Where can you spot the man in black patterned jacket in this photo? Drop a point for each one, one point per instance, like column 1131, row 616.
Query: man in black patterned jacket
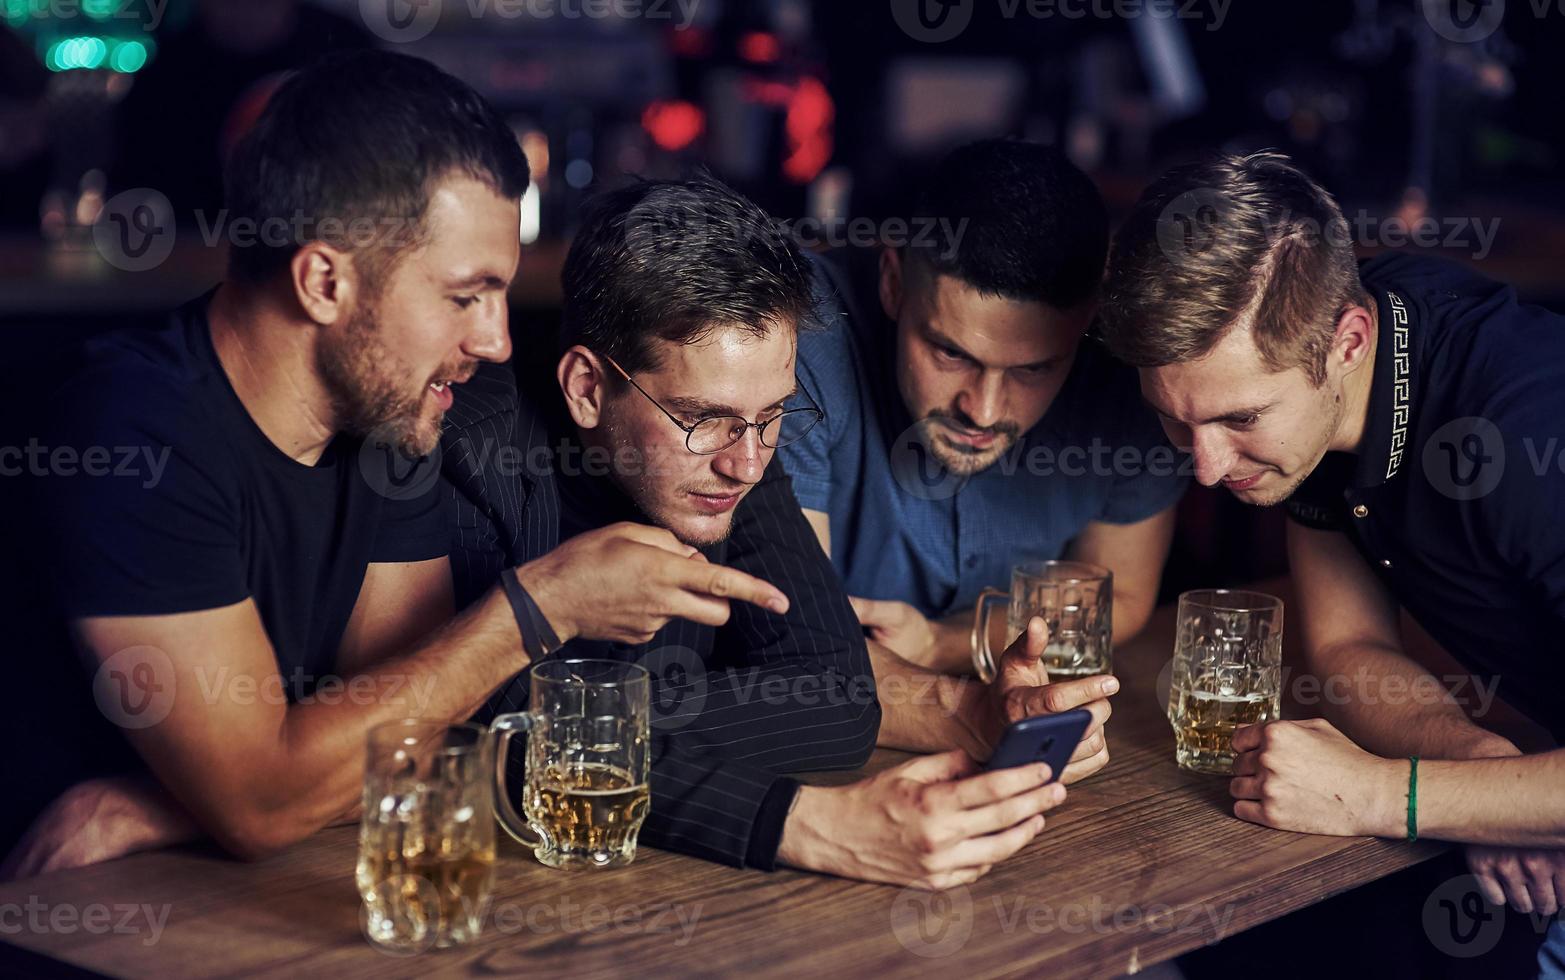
column 682, row 307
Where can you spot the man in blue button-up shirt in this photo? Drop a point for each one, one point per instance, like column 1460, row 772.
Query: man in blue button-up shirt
column 970, row 423
column 1411, row 413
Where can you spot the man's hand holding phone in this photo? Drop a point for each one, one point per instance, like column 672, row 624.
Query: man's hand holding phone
column 1022, row 689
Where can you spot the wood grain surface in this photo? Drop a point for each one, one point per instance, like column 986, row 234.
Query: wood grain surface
column 1141, row 863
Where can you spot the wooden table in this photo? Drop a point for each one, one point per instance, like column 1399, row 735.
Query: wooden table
column 1143, row 862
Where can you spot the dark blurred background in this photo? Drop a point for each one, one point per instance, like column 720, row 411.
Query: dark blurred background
column 115, row 116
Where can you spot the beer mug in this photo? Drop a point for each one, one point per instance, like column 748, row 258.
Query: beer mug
column 426, row 835
column 1227, row 672
column 585, row 791
column 1075, row 599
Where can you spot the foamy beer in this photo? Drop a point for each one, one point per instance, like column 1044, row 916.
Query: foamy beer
column 584, row 784
column 426, row 837
column 1227, row 672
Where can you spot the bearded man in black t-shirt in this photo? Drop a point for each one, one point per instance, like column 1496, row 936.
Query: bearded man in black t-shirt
column 241, row 567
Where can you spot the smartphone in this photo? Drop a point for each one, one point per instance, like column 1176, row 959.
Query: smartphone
column 1041, row 738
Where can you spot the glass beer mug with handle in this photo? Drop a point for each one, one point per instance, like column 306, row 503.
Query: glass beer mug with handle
column 585, row 785
column 1227, row 672
column 1074, row 598
column 426, row 834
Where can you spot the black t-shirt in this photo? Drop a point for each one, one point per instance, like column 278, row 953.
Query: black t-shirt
column 153, row 492
column 1455, row 497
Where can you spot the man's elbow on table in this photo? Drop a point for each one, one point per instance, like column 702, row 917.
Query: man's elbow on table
column 250, row 826
column 110, row 817
column 254, row 837
column 866, row 729
column 863, row 707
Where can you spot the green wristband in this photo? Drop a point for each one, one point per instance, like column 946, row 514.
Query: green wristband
column 1412, row 800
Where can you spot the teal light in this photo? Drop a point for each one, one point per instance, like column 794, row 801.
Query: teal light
column 121, row 55
column 72, row 53
column 94, row 51
column 128, row 56
column 76, row 52
column 58, row 57
column 100, row 9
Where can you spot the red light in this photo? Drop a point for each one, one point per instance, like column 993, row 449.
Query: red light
column 760, row 47
column 673, row 125
column 767, row 93
column 811, row 113
column 692, row 42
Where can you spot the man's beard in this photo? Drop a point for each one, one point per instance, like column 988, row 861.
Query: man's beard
column 933, row 431
column 368, row 386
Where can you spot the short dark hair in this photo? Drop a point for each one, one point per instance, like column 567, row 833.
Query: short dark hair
column 347, row 151
column 672, row 260
column 1035, row 226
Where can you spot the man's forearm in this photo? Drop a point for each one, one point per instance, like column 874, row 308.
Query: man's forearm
column 317, row 773
column 1391, row 706
column 1132, row 612
column 919, row 707
column 953, row 647
column 1518, row 801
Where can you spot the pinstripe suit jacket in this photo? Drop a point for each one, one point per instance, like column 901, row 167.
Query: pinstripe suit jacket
column 733, row 706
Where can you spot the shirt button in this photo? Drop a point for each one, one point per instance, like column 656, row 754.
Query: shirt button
column 972, row 561
column 1361, row 511
column 1385, row 563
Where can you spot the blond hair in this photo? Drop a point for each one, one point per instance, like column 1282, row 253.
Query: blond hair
column 1232, row 241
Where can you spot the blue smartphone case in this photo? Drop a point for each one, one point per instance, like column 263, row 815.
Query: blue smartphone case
column 1041, row 738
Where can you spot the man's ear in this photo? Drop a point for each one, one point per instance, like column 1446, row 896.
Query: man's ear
column 582, row 382
column 1355, row 338
column 891, row 282
column 324, row 282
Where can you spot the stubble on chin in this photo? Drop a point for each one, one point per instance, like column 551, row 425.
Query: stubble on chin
column 367, row 400
column 639, row 482
column 952, row 457
column 1269, row 497
column 683, row 530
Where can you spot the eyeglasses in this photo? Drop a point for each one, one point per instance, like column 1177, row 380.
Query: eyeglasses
column 717, row 432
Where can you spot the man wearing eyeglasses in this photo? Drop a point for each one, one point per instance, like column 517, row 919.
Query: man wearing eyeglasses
column 647, row 445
